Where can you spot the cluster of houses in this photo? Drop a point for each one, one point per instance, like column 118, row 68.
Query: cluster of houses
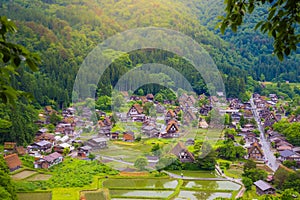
column 285, row 150
column 269, row 114
column 48, row 149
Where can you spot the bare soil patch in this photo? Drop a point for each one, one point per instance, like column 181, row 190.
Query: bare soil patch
column 23, row 174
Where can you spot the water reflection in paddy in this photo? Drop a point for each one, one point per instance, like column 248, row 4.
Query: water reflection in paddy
column 212, row 185
column 201, row 195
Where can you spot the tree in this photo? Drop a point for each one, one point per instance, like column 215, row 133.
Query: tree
column 242, row 121
column 247, row 183
column 280, row 177
column 249, row 164
column 66, row 151
column 54, row 118
column 141, row 163
column 208, row 162
column 242, row 142
column 147, row 106
column 91, row 156
column 103, row 103
column 140, row 92
column 290, row 194
column 12, row 56
column 156, row 150
column 227, row 119
column 18, row 118
column 268, row 197
column 290, row 163
column 22, row 127
column 7, row 188
column 262, row 77
column 281, row 23
column 168, row 161
column 118, row 101
column 159, row 97
column 255, row 174
column 138, row 138
column 229, row 151
column 292, row 181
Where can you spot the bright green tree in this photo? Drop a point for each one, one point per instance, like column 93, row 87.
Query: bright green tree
column 247, row 183
column 141, row 163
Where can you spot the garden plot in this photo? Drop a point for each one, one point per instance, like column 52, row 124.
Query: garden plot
column 39, row 177
column 23, row 174
column 35, row 196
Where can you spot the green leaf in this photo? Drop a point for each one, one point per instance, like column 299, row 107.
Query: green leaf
column 251, row 8
column 271, row 13
column 17, row 61
column 32, row 65
column 280, row 55
column 5, row 124
column 258, row 25
column 274, row 33
column 287, row 51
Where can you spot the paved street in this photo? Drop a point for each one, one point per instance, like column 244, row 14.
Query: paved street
column 266, row 146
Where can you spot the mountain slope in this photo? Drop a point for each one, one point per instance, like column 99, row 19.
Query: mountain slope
column 64, row 32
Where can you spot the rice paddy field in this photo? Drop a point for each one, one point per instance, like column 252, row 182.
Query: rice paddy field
column 212, row 185
column 35, row 196
column 202, row 195
column 94, row 195
column 134, row 188
column 141, row 183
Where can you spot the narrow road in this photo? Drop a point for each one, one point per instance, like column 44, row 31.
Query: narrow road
column 114, row 159
column 193, row 178
column 266, row 146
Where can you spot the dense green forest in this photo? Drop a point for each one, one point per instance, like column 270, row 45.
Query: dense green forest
column 64, row 32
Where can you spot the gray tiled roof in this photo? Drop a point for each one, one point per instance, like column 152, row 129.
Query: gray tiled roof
column 42, row 143
column 262, row 185
column 52, row 157
column 286, row 153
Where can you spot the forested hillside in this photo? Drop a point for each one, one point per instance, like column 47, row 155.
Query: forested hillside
column 250, row 44
column 64, row 32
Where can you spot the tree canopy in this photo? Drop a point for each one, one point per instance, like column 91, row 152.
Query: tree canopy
column 12, row 55
column 281, row 21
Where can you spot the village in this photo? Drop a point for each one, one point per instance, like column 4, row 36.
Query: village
column 179, row 124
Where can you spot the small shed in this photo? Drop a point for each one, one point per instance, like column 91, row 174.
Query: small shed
column 263, row 187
